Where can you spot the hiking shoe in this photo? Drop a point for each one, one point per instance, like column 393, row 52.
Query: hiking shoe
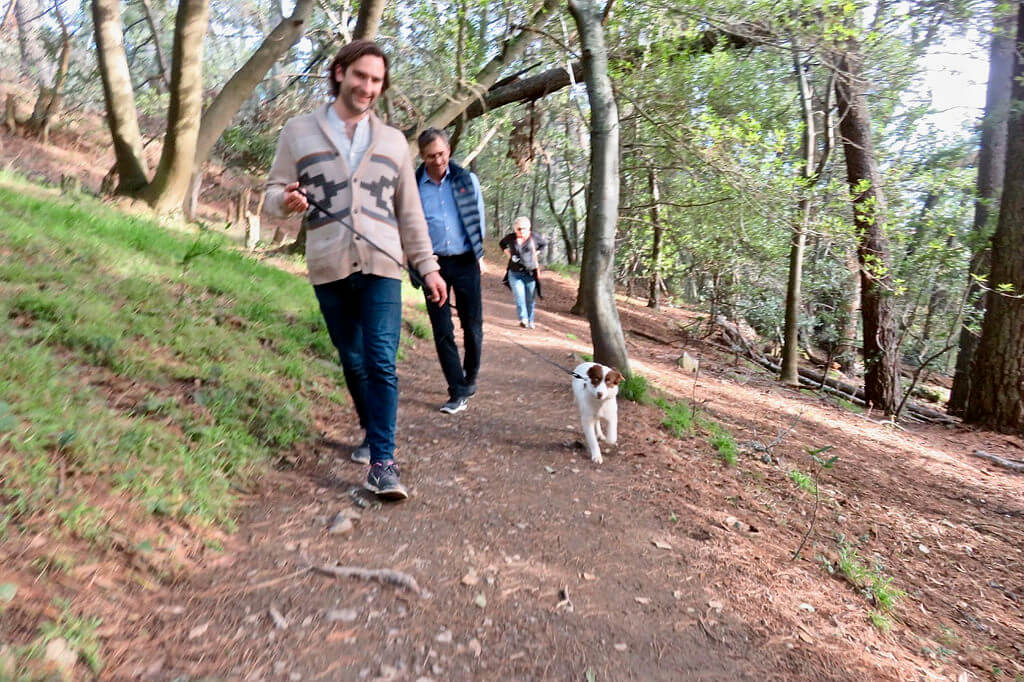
column 530, row 325
column 361, row 455
column 383, row 480
column 522, row 323
column 454, row 405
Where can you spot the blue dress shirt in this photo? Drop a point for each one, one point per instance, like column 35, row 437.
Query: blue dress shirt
column 447, row 232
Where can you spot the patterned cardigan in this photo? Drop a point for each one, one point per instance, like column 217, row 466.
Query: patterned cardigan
column 379, row 199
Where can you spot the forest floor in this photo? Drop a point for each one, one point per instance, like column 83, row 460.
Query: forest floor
column 532, row 563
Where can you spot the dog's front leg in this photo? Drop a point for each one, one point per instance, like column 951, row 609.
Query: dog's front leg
column 611, row 415
column 590, row 429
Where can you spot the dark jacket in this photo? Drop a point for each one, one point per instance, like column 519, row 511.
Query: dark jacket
column 465, row 203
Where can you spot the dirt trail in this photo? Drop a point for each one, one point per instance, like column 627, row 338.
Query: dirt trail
column 568, row 580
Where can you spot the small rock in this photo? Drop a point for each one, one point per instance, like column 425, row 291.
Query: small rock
column 279, row 621
column 474, row 646
column 923, row 549
column 444, row 637
column 199, row 630
column 677, row 594
column 471, row 578
column 340, row 525
column 806, row 607
column 661, row 544
column 642, row 600
column 295, row 677
column 60, row 654
column 620, row 646
column 481, row 600
column 688, row 363
column 344, row 615
column 841, row 519
column 588, row 576
column 716, row 605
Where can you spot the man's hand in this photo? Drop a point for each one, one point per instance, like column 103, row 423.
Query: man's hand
column 294, row 200
column 437, row 288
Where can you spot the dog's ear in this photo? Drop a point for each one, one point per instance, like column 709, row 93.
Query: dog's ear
column 613, row 378
column 595, row 374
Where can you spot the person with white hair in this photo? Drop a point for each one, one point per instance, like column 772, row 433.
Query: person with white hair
column 522, row 247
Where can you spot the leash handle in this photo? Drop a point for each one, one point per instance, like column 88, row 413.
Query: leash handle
column 414, row 276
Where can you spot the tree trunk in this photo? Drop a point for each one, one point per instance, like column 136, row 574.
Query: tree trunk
column 997, row 376
column 171, row 181
column 991, row 165
column 603, row 194
column 120, row 100
column 881, row 376
column 49, row 101
column 240, row 86
column 34, row 63
column 368, row 21
column 653, row 290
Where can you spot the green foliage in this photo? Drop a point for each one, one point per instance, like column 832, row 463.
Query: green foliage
column 635, row 388
column 724, row 443
column 419, row 328
column 248, row 148
column 679, row 417
column 803, row 481
column 871, row 581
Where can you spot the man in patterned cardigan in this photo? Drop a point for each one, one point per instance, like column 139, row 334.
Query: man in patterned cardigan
column 346, row 159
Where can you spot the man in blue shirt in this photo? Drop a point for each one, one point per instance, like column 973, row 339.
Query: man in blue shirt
column 454, row 208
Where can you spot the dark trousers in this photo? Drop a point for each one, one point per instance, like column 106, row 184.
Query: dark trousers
column 364, row 319
column 462, row 274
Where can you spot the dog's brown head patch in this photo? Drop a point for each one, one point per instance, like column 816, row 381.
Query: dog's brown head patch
column 595, row 374
column 613, row 378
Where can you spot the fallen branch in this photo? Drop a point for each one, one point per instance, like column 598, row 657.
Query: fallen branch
column 381, row 575
column 1011, row 464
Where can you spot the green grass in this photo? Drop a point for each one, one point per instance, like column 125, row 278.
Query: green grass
column 682, row 420
column 228, row 353
column 872, row 582
column 679, row 417
column 723, row 442
column 79, row 632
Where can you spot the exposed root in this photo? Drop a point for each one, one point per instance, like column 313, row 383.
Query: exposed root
column 381, row 575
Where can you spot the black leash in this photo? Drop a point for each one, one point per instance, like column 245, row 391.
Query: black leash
column 550, row 362
column 414, row 277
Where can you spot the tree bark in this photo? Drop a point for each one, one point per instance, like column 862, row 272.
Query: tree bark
column 881, row 376
column 368, row 20
column 653, row 290
column 603, row 194
column 49, row 101
column 996, row 396
column 120, row 100
column 991, row 166
column 170, row 183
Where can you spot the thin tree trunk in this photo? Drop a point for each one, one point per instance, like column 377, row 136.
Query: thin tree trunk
column 49, row 101
column 881, row 376
column 603, row 195
column 653, row 290
column 120, row 100
column 161, row 63
column 171, row 181
column 991, row 166
column 997, row 377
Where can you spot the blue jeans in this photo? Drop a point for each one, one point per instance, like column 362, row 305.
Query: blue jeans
column 524, row 289
column 364, row 318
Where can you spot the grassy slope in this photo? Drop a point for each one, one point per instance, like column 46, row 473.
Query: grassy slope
column 143, row 372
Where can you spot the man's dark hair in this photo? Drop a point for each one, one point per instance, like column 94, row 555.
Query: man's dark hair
column 350, row 53
column 431, row 134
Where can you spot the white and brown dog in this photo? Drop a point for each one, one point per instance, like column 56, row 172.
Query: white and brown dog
column 595, row 388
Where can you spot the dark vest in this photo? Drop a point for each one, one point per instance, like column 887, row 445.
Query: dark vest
column 465, row 203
